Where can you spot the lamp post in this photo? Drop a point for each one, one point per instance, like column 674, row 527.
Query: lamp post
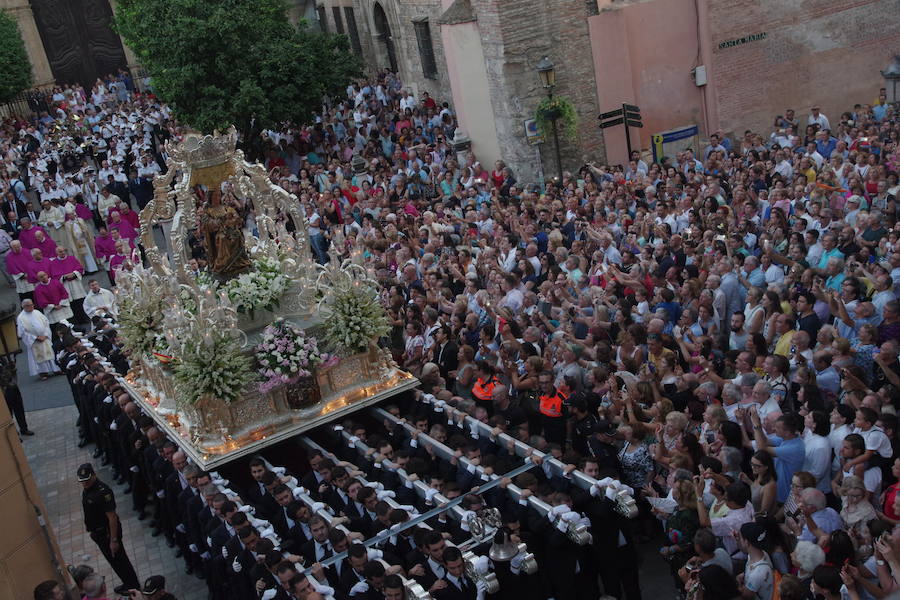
column 547, row 73
column 892, row 82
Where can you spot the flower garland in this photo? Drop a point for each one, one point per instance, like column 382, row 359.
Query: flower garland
column 213, row 367
column 260, row 288
column 356, row 320
column 285, row 355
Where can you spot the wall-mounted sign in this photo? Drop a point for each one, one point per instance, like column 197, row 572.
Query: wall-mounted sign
column 532, row 133
column 743, row 40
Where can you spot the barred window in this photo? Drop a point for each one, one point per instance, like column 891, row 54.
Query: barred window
column 426, row 48
column 338, row 21
column 323, row 22
column 350, row 17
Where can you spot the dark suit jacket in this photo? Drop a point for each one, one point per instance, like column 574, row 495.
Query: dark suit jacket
column 447, row 359
column 451, row 592
column 348, row 579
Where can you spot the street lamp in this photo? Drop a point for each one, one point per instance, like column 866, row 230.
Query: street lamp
column 547, row 73
column 892, row 81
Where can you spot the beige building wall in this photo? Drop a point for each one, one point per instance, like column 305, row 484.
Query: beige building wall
column 469, row 82
column 28, row 550
column 40, row 67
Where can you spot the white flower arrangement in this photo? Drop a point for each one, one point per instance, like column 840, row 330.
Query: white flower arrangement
column 356, row 320
column 260, row 288
column 139, row 327
column 285, row 355
column 214, row 366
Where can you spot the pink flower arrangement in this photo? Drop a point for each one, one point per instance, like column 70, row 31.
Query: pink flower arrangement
column 285, row 355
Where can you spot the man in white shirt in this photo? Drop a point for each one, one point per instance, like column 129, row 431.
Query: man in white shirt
column 817, row 118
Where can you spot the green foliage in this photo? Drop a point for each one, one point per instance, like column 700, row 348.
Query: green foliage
column 563, row 111
column 15, row 68
column 227, row 62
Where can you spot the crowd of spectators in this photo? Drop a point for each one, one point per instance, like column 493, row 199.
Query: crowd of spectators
column 719, row 331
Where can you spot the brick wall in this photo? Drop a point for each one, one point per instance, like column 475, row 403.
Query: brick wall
column 827, row 52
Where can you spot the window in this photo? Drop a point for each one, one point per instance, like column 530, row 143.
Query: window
column 350, row 17
column 338, row 21
column 323, row 22
column 426, row 49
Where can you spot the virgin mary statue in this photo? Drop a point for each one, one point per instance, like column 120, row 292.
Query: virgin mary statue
column 220, row 226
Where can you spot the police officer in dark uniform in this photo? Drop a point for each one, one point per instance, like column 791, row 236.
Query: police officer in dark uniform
column 102, row 522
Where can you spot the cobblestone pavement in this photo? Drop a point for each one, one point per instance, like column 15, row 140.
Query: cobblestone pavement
column 54, row 455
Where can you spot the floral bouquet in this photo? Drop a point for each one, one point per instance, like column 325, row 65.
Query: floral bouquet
column 356, row 320
column 215, row 366
column 260, row 288
column 285, row 355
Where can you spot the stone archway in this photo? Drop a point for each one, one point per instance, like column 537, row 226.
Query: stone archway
column 383, row 34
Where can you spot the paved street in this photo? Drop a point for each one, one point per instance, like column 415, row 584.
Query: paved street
column 54, row 456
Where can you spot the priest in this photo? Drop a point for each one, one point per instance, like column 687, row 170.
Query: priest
column 100, row 302
column 46, row 243
column 27, row 231
column 51, row 297
column 17, row 261
column 34, row 331
column 104, row 247
column 68, row 270
column 126, row 231
column 80, row 241
column 51, row 219
column 37, row 264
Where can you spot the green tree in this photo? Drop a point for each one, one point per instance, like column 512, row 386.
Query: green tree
column 235, row 61
column 15, row 68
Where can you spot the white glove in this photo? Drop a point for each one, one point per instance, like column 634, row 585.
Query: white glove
column 374, row 554
column 206, row 556
column 134, row 469
column 515, row 564
column 386, row 494
column 429, row 398
column 464, row 520
column 96, row 420
column 108, row 400
column 352, row 441
column 247, row 509
column 193, row 548
column 236, row 566
column 297, row 492
column 113, row 426
column 181, row 528
column 278, row 471
column 224, row 552
column 322, row 589
column 161, row 494
column 480, row 589
column 413, row 443
column 482, row 564
column 338, row 428
column 209, row 541
column 360, row 588
column 317, row 507
column 268, row 594
column 430, row 493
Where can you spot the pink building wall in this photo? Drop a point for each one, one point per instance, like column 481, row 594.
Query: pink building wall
column 643, row 54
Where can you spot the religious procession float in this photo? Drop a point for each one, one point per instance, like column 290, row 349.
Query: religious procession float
column 263, row 342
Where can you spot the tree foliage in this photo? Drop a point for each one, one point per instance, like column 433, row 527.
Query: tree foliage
column 15, row 68
column 233, row 61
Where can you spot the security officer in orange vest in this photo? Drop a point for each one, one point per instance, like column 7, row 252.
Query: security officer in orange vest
column 484, row 386
column 552, row 409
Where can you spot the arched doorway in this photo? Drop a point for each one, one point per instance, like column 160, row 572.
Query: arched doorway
column 383, row 32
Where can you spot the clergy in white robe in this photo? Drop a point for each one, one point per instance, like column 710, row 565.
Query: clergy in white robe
column 99, row 302
column 52, row 218
column 34, row 331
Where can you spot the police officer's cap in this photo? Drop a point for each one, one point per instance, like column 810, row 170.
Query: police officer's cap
column 153, row 584
column 85, row 472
